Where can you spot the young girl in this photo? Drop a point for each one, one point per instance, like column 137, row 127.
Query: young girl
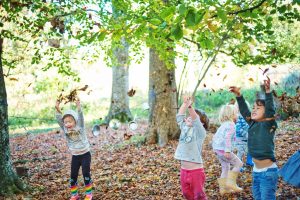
column 222, row 146
column 189, row 149
column 261, row 132
column 72, row 124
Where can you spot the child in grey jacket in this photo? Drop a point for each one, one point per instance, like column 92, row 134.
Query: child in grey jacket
column 189, row 152
column 72, row 124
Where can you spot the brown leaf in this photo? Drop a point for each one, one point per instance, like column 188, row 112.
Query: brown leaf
column 225, row 77
column 13, row 79
column 274, row 65
column 251, row 79
column 84, row 88
column 204, row 85
column 131, row 92
column 265, row 71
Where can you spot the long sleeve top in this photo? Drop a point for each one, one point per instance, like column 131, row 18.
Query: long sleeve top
column 190, row 141
column 223, row 139
column 77, row 140
column 260, row 134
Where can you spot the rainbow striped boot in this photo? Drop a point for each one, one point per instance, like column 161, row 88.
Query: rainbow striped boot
column 74, row 192
column 88, row 192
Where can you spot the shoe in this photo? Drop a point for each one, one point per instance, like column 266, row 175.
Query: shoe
column 222, row 186
column 231, row 182
column 76, row 197
column 88, row 197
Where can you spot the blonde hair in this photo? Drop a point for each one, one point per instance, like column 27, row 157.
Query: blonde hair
column 227, row 113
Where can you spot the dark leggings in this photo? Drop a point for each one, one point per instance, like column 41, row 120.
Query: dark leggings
column 84, row 161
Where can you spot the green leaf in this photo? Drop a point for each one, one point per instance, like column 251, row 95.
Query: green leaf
column 222, row 15
column 167, row 12
column 177, row 32
column 155, row 21
column 182, row 9
column 101, row 36
column 91, row 39
column 191, row 18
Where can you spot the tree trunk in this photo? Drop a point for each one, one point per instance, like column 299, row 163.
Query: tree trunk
column 9, row 181
column 119, row 107
column 162, row 101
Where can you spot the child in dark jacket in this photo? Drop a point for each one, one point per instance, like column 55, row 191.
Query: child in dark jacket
column 261, row 133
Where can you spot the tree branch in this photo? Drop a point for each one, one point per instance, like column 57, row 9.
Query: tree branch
column 248, row 9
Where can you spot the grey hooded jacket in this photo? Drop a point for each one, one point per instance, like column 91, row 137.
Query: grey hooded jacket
column 76, row 138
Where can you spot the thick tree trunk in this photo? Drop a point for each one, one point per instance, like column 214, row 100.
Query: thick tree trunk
column 162, row 101
column 119, row 107
column 9, row 181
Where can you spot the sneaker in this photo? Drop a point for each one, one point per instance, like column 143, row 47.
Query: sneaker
column 88, row 197
column 76, row 197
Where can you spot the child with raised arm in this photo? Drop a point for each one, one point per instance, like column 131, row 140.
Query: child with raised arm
column 223, row 145
column 189, row 150
column 261, row 132
column 72, row 124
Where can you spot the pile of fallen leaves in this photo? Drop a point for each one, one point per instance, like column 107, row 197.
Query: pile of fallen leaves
column 131, row 171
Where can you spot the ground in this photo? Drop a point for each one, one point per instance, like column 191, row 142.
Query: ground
column 130, row 171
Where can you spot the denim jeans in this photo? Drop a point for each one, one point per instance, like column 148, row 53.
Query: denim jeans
column 264, row 184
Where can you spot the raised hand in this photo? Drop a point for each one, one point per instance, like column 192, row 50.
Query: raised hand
column 78, row 105
column 235, row 90
column 267, row 84
column 57, row 106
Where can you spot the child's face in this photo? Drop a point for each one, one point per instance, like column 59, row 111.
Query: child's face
column 258, row 112
column 188, row 121
column 69, row 122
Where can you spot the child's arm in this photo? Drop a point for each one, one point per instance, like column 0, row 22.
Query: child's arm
column 181, row 113
column 229, row 132
column 80, row 114
column 58, row 115
column 269, row 105
column 244, row 110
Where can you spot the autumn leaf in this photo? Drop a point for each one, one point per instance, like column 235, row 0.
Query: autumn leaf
column 131, row 92
column 225, row 77
column 204, row 85
column 83, row 88
column 265, row 71
column 274, row 65
column 251, row 79
column 13, row 79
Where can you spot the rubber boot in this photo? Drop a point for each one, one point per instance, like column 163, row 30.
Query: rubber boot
column 231, row 181
column 222, row 185
column 88, row 192
column 74, row 192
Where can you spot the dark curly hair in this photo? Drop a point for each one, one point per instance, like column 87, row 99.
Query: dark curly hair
column 203, row 118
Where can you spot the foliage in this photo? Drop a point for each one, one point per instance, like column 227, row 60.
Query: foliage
column 133, row 172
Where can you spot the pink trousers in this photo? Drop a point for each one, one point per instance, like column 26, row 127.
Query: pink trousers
column 192, row 184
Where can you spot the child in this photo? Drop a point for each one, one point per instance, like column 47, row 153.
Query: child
column 72, row 124
column 189, row 149
column 241, row 136
column 261, row 132
column 222, row 146
column 290, row 172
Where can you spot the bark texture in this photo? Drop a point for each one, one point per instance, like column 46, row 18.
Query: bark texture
column 162, row 102
column 9, row 181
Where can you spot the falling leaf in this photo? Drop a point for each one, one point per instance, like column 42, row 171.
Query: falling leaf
column 225, row 77
column 13, row 79
column 274, row 65
column 275, row 83
column 131, row 92
column 265, row 71
column 213, row 90
column 204, row 85
column 29, row 84
column 251, row 79
column 218, row 74
column 84, row 88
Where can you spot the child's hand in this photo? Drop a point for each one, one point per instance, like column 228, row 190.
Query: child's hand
column 187, row 101
column 57, row 106
column 227, row 155
column 78, row 103
column 267, row 85
column 235, row 90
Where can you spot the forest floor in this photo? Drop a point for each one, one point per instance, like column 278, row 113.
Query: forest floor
column 128, row 170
